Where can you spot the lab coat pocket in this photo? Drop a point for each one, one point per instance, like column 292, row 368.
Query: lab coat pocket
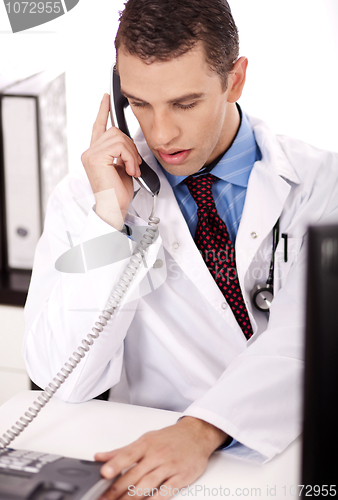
column 286, row 256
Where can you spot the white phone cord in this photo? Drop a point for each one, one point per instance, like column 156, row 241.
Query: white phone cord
column 113, row 303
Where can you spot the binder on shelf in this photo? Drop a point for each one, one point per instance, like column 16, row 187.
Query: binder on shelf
column 5, row 81
column 35, row 159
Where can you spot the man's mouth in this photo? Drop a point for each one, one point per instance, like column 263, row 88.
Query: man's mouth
column 174, row 157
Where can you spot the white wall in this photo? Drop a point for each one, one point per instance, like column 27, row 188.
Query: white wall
column 292, row 46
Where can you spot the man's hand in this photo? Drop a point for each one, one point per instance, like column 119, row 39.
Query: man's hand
column 173, row 457
column 110, row 162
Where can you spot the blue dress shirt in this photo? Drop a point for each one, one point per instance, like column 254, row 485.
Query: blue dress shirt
column 229, row 191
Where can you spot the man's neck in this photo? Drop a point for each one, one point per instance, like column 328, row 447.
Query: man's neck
column 229, row 131
column 209, row 166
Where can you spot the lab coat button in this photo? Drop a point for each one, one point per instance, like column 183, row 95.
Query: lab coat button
column 224, row 305
column 254, row 234
column 175, row 245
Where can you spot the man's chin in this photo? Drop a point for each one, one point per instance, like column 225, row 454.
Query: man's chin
column 181, row 171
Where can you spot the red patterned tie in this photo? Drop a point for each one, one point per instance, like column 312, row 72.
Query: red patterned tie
column 213, row 241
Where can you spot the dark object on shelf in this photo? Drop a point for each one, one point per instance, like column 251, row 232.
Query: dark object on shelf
column 33, row 159
column 13, row 287
column 103, row 397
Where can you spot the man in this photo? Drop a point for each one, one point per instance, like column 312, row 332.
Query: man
column 193, row 341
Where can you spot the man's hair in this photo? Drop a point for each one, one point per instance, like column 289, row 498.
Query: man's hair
column 160, row 30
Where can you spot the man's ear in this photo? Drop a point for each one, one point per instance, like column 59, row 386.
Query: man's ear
column 236, row 79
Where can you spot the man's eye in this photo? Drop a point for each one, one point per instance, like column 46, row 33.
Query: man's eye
column 186, row 106
column 138, row 104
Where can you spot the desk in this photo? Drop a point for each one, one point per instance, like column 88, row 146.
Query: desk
column 80, row 430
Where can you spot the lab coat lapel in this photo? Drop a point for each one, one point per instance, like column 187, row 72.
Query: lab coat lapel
column 268, row 189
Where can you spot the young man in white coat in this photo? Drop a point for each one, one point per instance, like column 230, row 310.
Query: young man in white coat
column 181, row 340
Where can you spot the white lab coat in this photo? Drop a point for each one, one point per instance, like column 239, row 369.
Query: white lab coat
column 175, row 344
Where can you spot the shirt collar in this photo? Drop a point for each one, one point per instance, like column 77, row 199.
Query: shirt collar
column 236, row 164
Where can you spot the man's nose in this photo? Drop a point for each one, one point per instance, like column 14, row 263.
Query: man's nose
column 164, row 129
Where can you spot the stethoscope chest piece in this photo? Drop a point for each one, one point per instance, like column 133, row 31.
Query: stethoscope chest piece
column 262, row 296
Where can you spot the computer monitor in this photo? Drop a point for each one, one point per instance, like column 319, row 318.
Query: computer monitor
column 320, row 408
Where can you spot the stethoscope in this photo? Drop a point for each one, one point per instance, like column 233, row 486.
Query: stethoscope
column 262, row 294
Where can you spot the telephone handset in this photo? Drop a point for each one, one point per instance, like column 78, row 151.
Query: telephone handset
column 118, row 102
column 36, row 476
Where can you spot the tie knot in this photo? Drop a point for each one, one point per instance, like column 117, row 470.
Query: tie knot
column 200, row 188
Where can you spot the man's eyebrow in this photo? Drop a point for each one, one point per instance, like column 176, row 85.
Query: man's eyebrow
column 129, row 96
column 186, row 97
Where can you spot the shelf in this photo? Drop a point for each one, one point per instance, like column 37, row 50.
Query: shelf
column 14, row 287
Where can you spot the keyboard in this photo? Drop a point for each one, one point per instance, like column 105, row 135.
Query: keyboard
column 23, row 460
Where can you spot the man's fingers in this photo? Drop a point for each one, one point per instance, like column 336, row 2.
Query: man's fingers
column 170, row 488
column 103, row 456
column 115, row 144
column 121, row 461
column 173, row 457
column 131, row 477
column 101, row 121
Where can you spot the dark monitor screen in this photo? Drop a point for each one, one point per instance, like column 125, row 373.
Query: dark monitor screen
column 320, row 409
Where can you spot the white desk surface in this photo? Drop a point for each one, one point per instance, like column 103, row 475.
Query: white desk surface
column 80, row 430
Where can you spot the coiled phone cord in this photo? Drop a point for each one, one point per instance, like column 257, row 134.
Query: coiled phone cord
column 112, row 305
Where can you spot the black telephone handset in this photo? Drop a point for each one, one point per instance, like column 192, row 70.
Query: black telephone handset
column 118, row 102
